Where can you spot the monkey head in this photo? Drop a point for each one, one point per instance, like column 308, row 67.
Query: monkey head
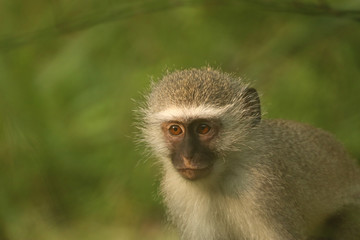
column 192, row 117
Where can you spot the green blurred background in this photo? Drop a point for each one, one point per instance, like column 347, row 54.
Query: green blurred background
column 71, row 70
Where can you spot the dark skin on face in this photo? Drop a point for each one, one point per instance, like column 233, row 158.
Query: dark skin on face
column 190, row 144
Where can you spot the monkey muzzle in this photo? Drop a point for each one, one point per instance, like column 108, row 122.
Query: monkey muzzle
column 192, row 168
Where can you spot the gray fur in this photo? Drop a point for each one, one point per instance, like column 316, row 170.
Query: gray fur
column 274, row 179
column 195, row 87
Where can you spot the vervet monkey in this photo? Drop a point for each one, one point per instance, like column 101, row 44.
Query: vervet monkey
column 229, row 174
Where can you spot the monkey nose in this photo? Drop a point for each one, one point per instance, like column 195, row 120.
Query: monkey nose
column 187, row 162
column 194, row 170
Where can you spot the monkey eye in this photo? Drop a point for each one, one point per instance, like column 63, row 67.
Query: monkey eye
column 203, row 128
column 175, row 130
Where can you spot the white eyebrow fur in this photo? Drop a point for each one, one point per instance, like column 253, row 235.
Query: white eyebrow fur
column 189, row 112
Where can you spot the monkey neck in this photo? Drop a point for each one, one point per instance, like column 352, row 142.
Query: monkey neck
column 213, row 209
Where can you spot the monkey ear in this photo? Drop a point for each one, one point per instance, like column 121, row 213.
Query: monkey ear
column 252, row 105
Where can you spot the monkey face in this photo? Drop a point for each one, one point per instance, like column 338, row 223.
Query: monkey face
column 190, row 144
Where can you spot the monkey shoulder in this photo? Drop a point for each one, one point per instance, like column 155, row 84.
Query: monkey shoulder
column 300, row 136
column 305, row 158
column 305, row 146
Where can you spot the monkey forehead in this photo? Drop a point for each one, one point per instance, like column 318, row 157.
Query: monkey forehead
column 195, row 87
column 186, row 113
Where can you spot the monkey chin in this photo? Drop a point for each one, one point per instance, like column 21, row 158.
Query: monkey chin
column 194, row 174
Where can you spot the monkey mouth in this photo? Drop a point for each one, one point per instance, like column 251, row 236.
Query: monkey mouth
column 194, row 173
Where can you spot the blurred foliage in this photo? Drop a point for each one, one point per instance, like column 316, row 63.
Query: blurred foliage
column 69, row 70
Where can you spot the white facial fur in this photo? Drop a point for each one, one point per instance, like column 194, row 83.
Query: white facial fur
column 176, row 113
